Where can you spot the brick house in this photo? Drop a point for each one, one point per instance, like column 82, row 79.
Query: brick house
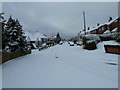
column 115, row 23
column 99, row 29
column 0, row 35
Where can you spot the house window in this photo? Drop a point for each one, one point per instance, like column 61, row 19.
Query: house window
column 102, row 28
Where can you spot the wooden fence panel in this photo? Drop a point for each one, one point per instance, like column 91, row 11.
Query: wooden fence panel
column 8, row 56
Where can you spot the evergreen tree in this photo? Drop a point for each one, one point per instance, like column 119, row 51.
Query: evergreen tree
column 11, row 34
column 58, row 38
column 15, row 35
column 21, row 39
column 2, row 27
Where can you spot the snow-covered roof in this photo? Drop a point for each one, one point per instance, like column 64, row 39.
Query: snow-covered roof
column 28, row 35
column 37, row 35
column 97, row 27
column 53, row 37
column 28, row 39
column 34, row 37
column 108, row 23
column 112, row 21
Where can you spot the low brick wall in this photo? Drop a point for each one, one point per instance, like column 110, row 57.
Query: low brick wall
column 114, row 49
column 12, row 55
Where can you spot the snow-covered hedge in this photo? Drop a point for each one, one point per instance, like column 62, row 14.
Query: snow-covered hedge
column 91, row 38
column 90, row 45
column 110, row 36
column 117, row 37
column 6, row 56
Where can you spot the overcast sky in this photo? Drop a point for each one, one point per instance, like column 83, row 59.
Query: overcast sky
column 65, row 17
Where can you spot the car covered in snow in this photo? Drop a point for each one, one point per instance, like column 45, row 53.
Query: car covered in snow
column 71, row 43
column 61, row 42
column 79, row 43
column 43, row 46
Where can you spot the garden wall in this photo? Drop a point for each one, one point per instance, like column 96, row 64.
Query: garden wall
column 114, row 49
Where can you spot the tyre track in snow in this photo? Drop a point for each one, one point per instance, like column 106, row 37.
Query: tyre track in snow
column 82, row 65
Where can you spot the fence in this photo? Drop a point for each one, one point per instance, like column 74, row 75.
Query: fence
column 6, row 56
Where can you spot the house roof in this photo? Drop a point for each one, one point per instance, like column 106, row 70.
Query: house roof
column 112, row 21
column 34, row 37
column 37, row 35
column 108, row 23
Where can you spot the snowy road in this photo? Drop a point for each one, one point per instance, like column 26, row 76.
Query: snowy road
column 62, row 66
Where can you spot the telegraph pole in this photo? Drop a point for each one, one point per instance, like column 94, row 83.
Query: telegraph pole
column 84, row 22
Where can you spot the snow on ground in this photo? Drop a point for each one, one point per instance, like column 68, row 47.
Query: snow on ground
column 111, row 43
column 62, row 66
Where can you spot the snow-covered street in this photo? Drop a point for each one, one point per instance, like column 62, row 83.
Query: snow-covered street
column 63, row 66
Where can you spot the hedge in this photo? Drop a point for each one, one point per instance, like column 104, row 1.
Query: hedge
column 6, row 56
column 90, row 46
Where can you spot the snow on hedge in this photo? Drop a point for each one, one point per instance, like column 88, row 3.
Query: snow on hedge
column 92, row 37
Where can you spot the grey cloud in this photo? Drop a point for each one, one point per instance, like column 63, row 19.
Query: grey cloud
column 64, row 17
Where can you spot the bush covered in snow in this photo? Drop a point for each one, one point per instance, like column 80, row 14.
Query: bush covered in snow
column 90, row 45
column 90, row 41
column 91, row 37
column 118, row 40
column 107, row 37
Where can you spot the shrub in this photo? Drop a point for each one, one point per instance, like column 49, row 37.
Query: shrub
column 90, row 37
column 84, row 40
column 106, row 38
column 118, row 40
column 90, row 45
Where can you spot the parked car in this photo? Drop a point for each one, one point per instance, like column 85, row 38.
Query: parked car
column 71, row 43
column 79, row 43
column 43, row 46
column 61, row 42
